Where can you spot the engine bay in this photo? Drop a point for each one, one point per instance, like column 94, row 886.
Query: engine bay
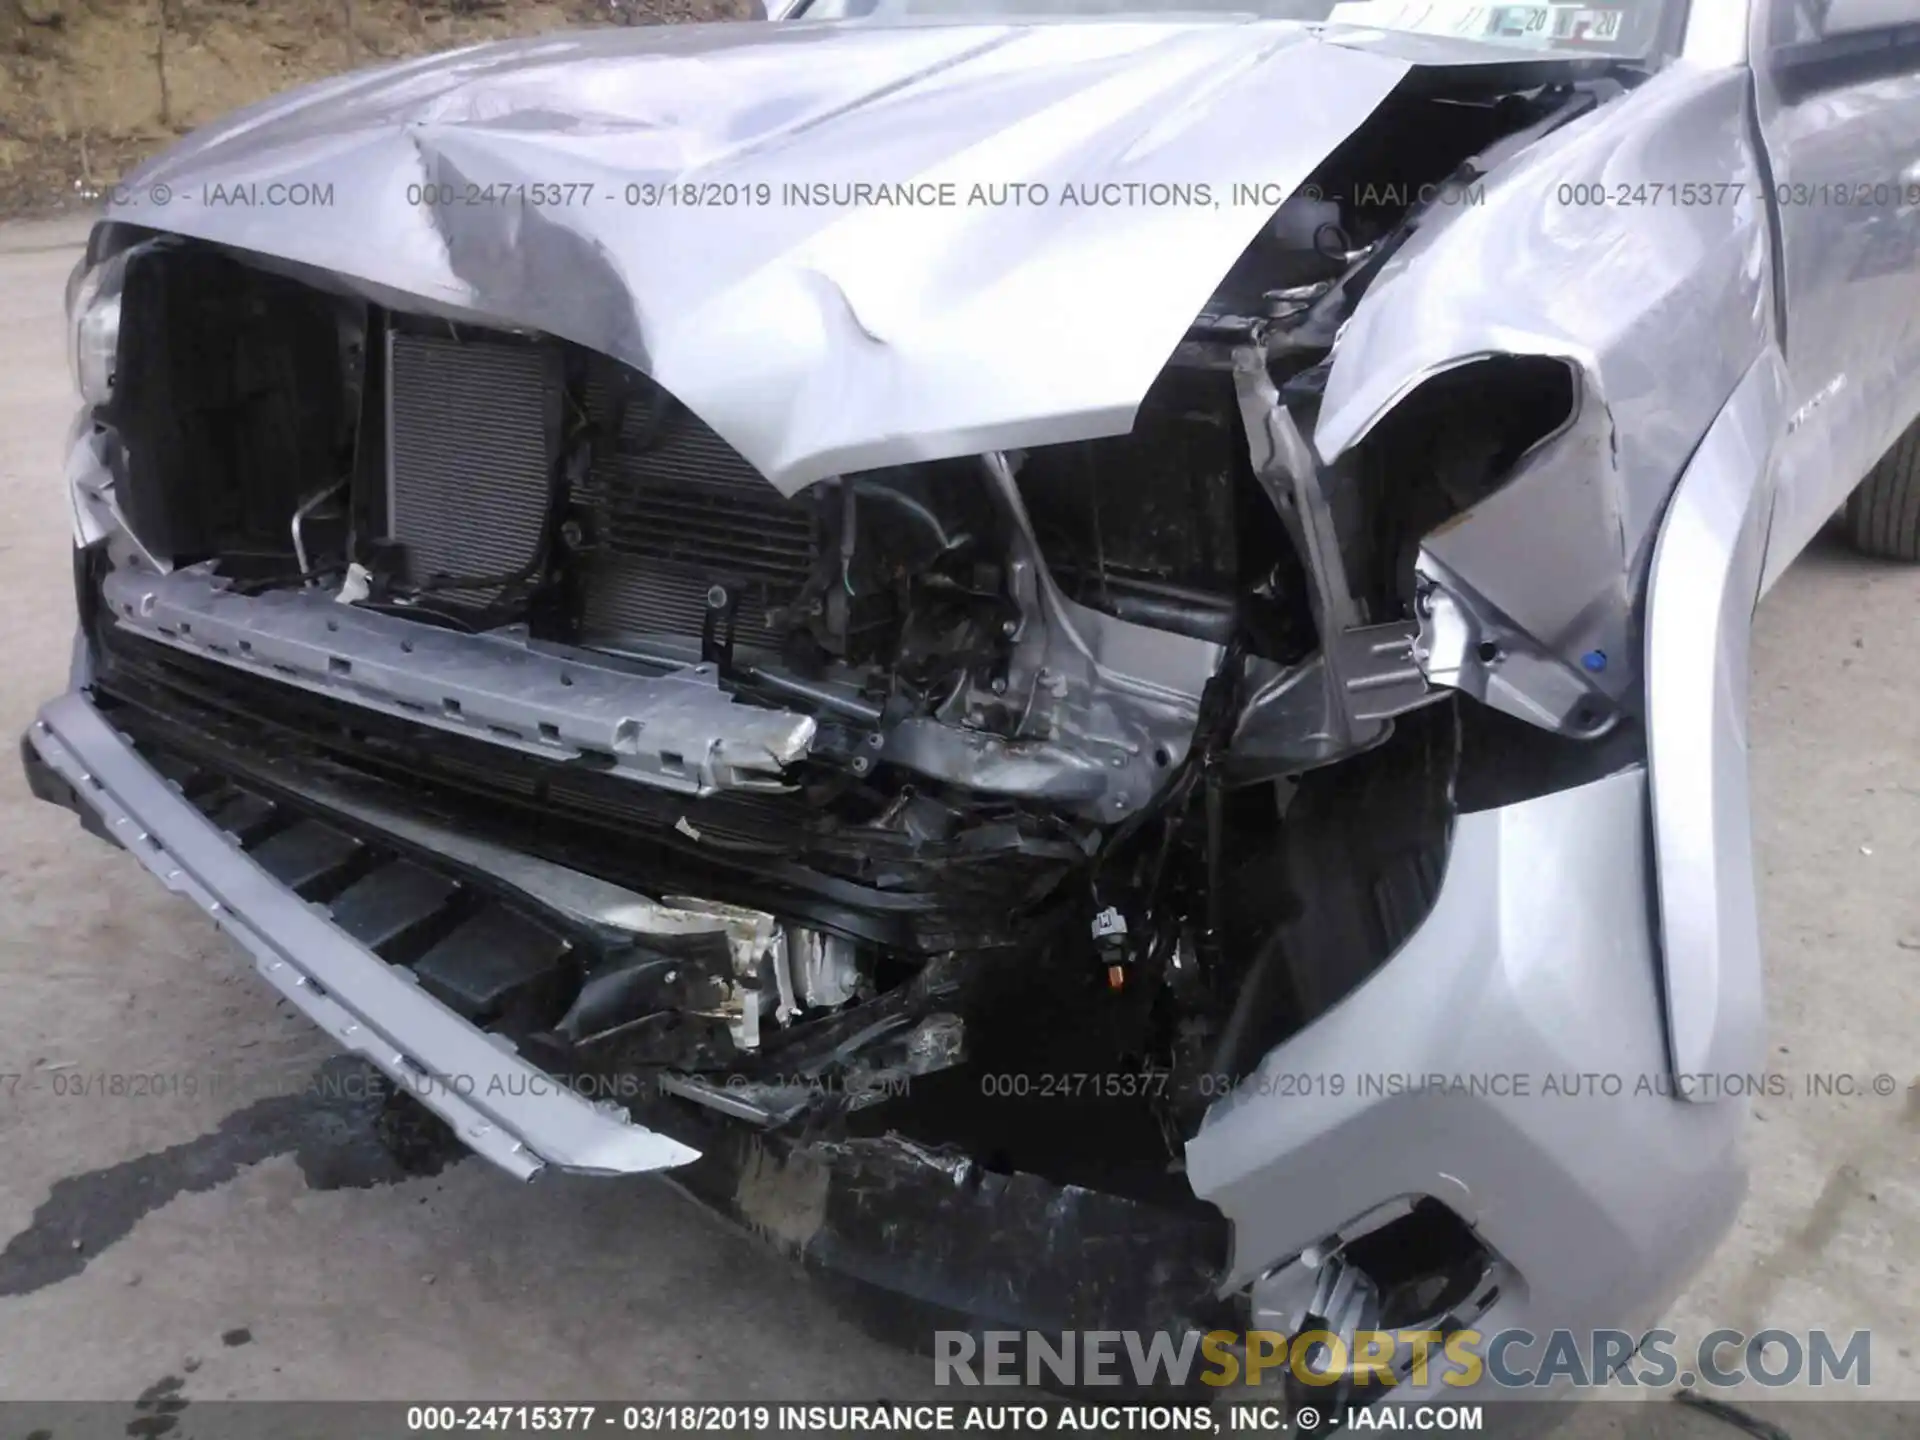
column 1080, row 775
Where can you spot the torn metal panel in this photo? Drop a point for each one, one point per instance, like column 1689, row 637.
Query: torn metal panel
column 1469, row 646
column 678, row 731
column 1660, row 308
column 1288, row 471
column 785, row 321
column 90, row 485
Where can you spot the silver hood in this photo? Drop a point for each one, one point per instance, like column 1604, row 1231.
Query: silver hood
column 817, row 338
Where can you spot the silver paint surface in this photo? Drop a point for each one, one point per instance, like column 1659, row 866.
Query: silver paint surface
column 815, row 339
column 1846, row 161
column 1701, row 596
column 1659, row 308
column 1536, row 963
column 808, row 341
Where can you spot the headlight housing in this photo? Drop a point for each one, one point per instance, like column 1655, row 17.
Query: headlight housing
column 93, row 326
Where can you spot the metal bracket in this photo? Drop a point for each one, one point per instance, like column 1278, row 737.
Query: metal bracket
column 1378, row 667
column 1370, row 673
column 717, row 627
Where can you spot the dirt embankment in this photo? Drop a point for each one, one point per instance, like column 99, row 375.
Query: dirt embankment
column 88, row 87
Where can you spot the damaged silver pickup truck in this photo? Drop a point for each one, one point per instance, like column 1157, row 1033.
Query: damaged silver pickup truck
column 1092, row 667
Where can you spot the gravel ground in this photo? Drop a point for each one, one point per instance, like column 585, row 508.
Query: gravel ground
column 251, row 1245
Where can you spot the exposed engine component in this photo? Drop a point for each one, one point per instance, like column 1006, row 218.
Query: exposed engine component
column 1112, row 756
column 1159, row 526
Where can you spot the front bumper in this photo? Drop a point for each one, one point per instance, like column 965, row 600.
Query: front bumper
column 1509, row 1061
column 1536, row 964
column 508, row 1111
column 917, row 1237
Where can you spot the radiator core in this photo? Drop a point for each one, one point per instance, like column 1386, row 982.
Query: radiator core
column 472, row 425
column 671, row 509
column 678, row 510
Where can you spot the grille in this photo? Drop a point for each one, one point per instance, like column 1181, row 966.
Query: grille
column 471, row 426
column 676, row 510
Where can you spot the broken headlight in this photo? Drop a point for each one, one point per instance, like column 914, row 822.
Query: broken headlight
column 93, row 326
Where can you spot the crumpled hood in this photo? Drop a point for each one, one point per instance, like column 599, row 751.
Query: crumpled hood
column 827, row 334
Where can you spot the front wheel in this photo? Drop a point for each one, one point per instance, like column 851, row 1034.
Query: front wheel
column 1883, row 515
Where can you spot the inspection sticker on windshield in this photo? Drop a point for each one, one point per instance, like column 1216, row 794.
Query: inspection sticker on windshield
column 1537, row 24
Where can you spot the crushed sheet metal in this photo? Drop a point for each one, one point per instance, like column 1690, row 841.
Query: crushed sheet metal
column 677, row 731
column 798, row 331
column 1660, row 308
column 508, row 1111
column 1103, row 696
column 90, row 486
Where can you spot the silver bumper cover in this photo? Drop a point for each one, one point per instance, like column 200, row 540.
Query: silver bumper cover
column 1509, row 1061
column 508, row 1111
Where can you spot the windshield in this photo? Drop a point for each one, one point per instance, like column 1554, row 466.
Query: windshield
column 1628, row 27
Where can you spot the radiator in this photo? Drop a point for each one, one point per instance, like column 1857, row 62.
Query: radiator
column 471, row 426
column 676, row 511
column 671, row 509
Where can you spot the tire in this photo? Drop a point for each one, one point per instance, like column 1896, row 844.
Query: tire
column 1883, row 515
